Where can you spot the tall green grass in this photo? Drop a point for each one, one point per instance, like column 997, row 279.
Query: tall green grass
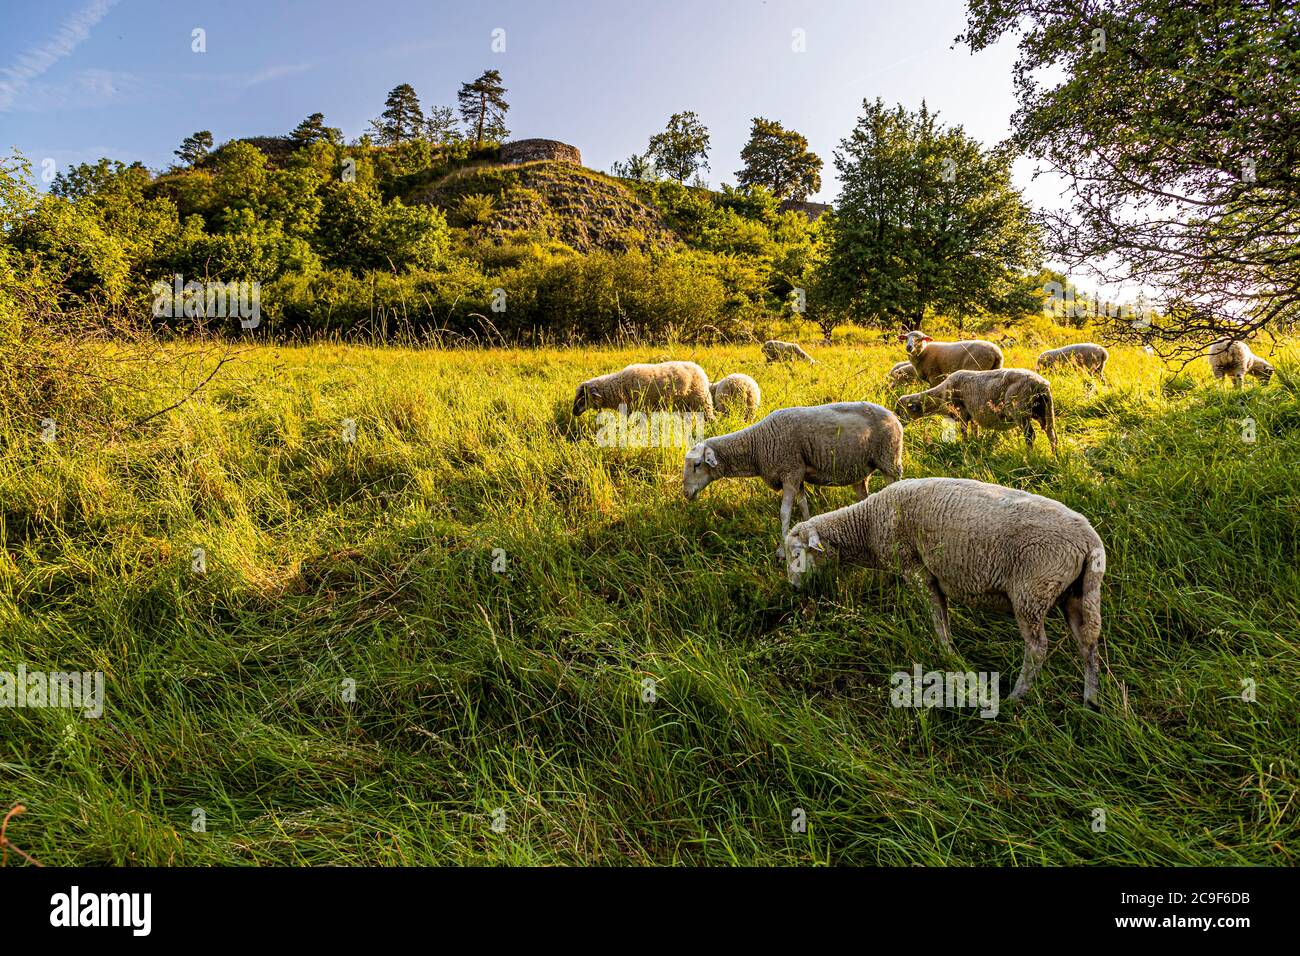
column 525, row 691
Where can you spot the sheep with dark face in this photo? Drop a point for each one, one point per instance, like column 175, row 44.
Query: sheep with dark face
column 1235, row 360
column 843, row 443
column 998, row 399
column 934, row 361
column 977, row 544
column 648, row 387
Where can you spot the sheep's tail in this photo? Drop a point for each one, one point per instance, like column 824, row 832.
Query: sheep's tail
column 1094, row 569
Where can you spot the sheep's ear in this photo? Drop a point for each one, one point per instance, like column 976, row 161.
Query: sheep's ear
column 926, row 338
column 902, row 338
column 710, row 457
column 814, row 542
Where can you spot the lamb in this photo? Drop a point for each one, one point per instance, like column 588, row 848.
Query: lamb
column 666, row 385
column 902, row 374
column 736, row 391
column 839, row 444
column 1228, row 357
column 934, row 360
column 1086, row 355
column 775, row 350
column 999, row 399
column 977, row 544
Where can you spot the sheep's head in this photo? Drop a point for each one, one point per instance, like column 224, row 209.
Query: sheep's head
column 587, row 397
column 701, row 468
column 914, row 341
column 911, row 407
column 803, row 551
column 901, row 374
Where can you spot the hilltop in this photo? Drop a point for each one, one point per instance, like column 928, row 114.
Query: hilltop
column 559, row 201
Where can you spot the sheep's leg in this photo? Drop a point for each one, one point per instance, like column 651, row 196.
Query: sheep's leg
column 787, row 506
column 1030, row 619
column 803, row 503
column 1238, row 380
column 1028, row 424
column 1084, row 617
column 861, row 489
column 939, row 611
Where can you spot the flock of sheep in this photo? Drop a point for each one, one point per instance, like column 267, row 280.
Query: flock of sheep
column 955, row 540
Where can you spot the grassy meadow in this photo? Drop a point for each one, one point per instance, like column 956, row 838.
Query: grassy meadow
column 501, row 716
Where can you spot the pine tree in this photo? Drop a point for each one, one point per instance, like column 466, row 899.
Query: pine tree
column 313, row 130
column 402, row 118
column 195, row 147
column 483, row 107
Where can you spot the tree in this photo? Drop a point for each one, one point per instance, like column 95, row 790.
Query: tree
column 440, row 125
column 682, row 149
column 637, row 166
column 1177, row 128
column 402, row 118
column 927, row 221
column 483, row 107
column 779, row 159
column 359, row 231
column 194, row 148
column 313, row 130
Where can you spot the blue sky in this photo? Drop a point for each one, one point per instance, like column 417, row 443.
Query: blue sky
column 80, row 79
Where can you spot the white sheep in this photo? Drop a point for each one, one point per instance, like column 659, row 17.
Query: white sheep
column 977, row 544
column 665, row 385
column 1235, row 359
column 843, row 443
column 736, row 391
column 1000, row 398
column 1086, row 355
column 774, row 350
column 935, row 360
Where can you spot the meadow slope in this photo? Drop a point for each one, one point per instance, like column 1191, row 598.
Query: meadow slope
column 371, row 561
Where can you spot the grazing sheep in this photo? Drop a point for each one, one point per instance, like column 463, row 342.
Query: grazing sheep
column 666, row 385
column 775, row 350
column 998, row 399
column 843, row 443
column 934, row 360
column 736, row 391
column 977, row 544
column 1086, row 355
column 901, row 374
column 1228, row 357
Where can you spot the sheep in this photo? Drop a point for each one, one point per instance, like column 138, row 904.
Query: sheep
column 933, row 360
column 1086, row 355
column 998, row 399
column 977, row 544
column 902, row 374
column 842, row 443
column 666, row 385
column 775, row 350
column 1234, row 358
column 736, row 391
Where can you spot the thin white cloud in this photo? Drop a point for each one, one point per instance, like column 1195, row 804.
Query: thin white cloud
column 35, row 61
column 276, row 72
